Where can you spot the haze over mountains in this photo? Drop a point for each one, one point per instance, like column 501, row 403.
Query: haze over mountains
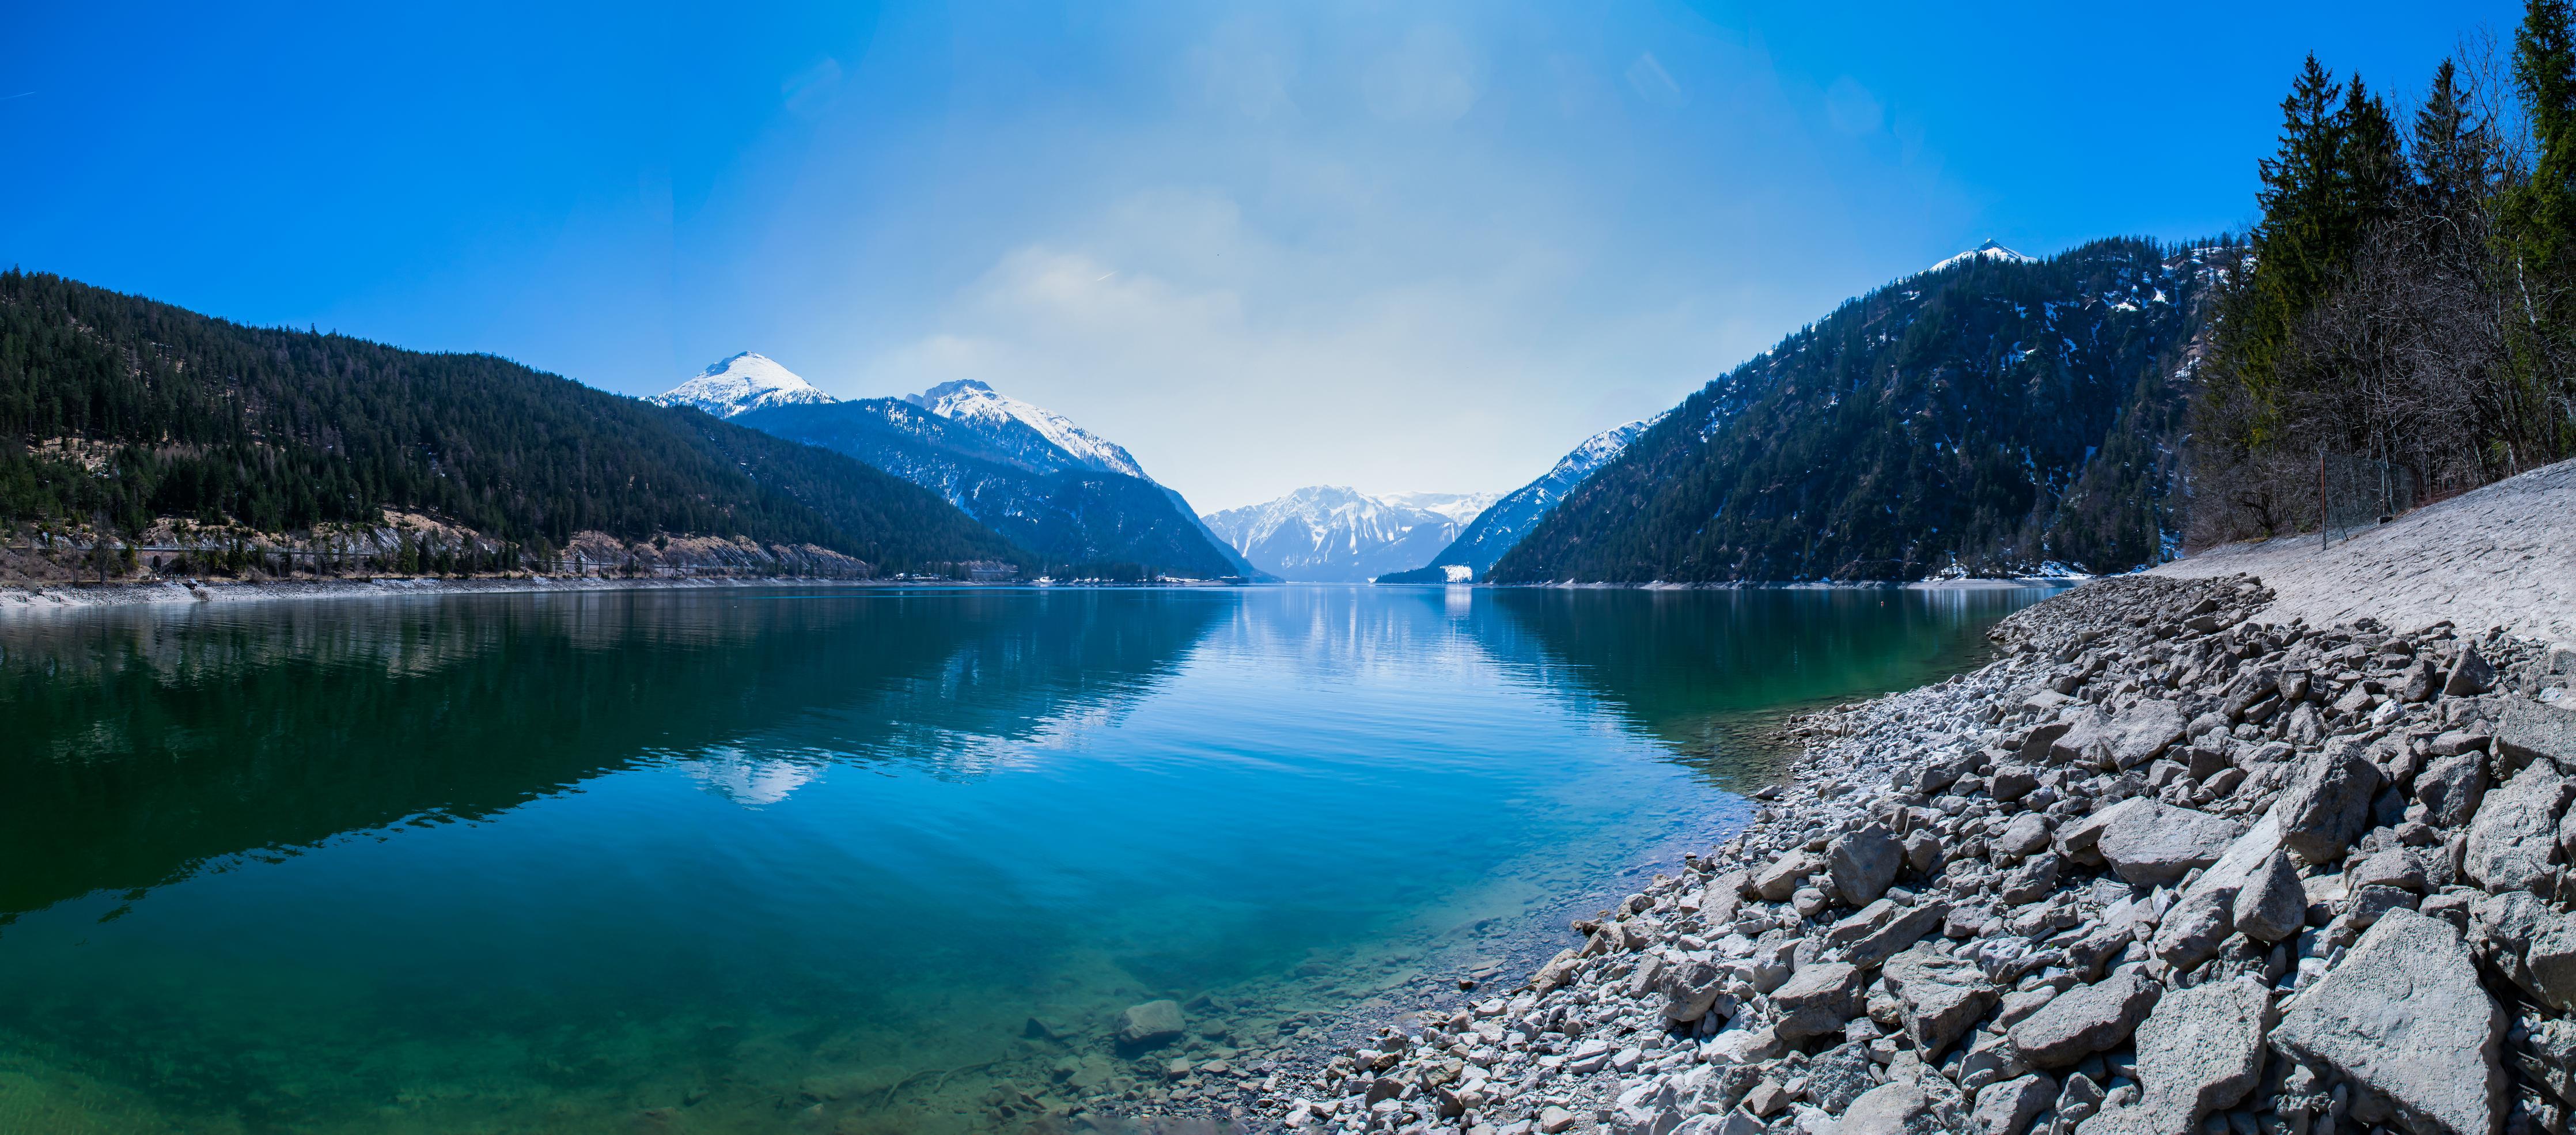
column 1331, row 534
column 1995, row 414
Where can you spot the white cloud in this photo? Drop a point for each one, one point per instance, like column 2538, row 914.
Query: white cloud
column 1652, row 83
column 1432, row 79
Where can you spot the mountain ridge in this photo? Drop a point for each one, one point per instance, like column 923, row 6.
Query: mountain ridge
column 1335, row 534
column 1994, row 417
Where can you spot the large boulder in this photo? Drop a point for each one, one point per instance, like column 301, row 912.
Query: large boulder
column 2086, row 730
column 2550, row 959
column 2273, row 904
column 1691, row 987
column 2404, row 1016
column 1817, row 1000
column 2452, row 787
column 2144, row 731
column 1893, row 1108
column 1863, row 862
column 2327, row 804
column 1905, row 929
column 2007, row 1108
column 1942, row 995
column 2201, row 1051
column 1151, row 1023
column 2084, row 1020
column 2514, row 839
column 1780, row 878
column 2081, row 841
column 2531, row 731
column 2472, row 675
column 2199, row 922
column 2153, row 844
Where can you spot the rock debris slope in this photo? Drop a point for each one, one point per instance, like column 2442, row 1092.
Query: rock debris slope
column 2164, row 867
column 2503, row 555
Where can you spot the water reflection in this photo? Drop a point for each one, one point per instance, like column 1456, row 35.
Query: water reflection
column 143, row 743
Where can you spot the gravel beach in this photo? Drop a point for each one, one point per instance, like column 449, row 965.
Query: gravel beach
column 2177, row 861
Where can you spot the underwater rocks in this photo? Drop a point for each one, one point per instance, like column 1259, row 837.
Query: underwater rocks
column 2159, row 867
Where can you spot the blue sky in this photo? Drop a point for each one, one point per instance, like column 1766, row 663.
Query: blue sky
column 1419, row 246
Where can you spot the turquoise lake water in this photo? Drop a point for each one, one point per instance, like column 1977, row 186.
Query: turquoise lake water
column 772, row 861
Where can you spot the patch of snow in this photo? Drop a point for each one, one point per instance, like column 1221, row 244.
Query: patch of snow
column 1987, row 251
column 740, row 384
column 975, row 403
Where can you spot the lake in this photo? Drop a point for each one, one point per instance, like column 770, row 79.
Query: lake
column 839, row 860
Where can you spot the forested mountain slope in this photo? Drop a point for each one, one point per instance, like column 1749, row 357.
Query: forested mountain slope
column 120, row 408
column 1993, row 416
column 1073, row 517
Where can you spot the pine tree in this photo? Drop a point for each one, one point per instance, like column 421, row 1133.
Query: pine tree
column 2541, row 213
column 2454, row 156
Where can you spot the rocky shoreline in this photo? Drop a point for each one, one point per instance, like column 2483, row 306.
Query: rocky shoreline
column 2161, row 867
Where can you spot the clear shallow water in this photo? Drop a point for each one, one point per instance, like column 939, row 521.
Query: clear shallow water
column 758, row 861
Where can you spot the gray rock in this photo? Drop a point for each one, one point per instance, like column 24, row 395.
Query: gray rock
column 2501, row 927
column 2012, row 782
column 1923, row 852
column 2531, row 731
column 2144, row 731
column 2549, row 1057
column 1908, row 927
column 2405, row 1017
column 2551, row 959
column 1839, row 1076
column 1151, row 1023
column 2084, row 1020
column 2026, row 834
column 1690, row 988
column 2201, row 1051
column 1817, row 1000
column 2470, row 676
column 2451, row 788
column 1942, row 995
column 2081, row 841
column 1778, row 879
column 2273, row 905
column 2328, row 802
column 2152, row 844
column 2030, row 882
column 2395, row 867
column 1892, row 1108
column 2420, row 682
column 2514, row 838
column 2200, row 920
column 1864, row 862
column 2007, row 1108
column 2088, row 729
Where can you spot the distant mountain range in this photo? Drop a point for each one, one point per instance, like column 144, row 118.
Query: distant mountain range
column 1076, row 502
column 1992, row 415
column 1329, row 534
column 1495, row 530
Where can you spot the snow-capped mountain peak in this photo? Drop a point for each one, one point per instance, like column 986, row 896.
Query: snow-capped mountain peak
column 974, row 403
column 1334, row 533
column 742, row 383
column 1987, row 251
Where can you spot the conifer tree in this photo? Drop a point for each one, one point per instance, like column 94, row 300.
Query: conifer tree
column 2541, row 212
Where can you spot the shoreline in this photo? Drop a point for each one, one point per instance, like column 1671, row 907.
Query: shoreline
column 21, row 599
column 2151, row 868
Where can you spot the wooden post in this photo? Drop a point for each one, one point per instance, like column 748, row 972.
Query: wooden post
column 2325, row 521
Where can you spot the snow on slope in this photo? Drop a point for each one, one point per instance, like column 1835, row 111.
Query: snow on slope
column 1327, row 533
column 974, row 403
column 1987, row 251
column 746, row 381
column 1493, row 531
column 1458, row 507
